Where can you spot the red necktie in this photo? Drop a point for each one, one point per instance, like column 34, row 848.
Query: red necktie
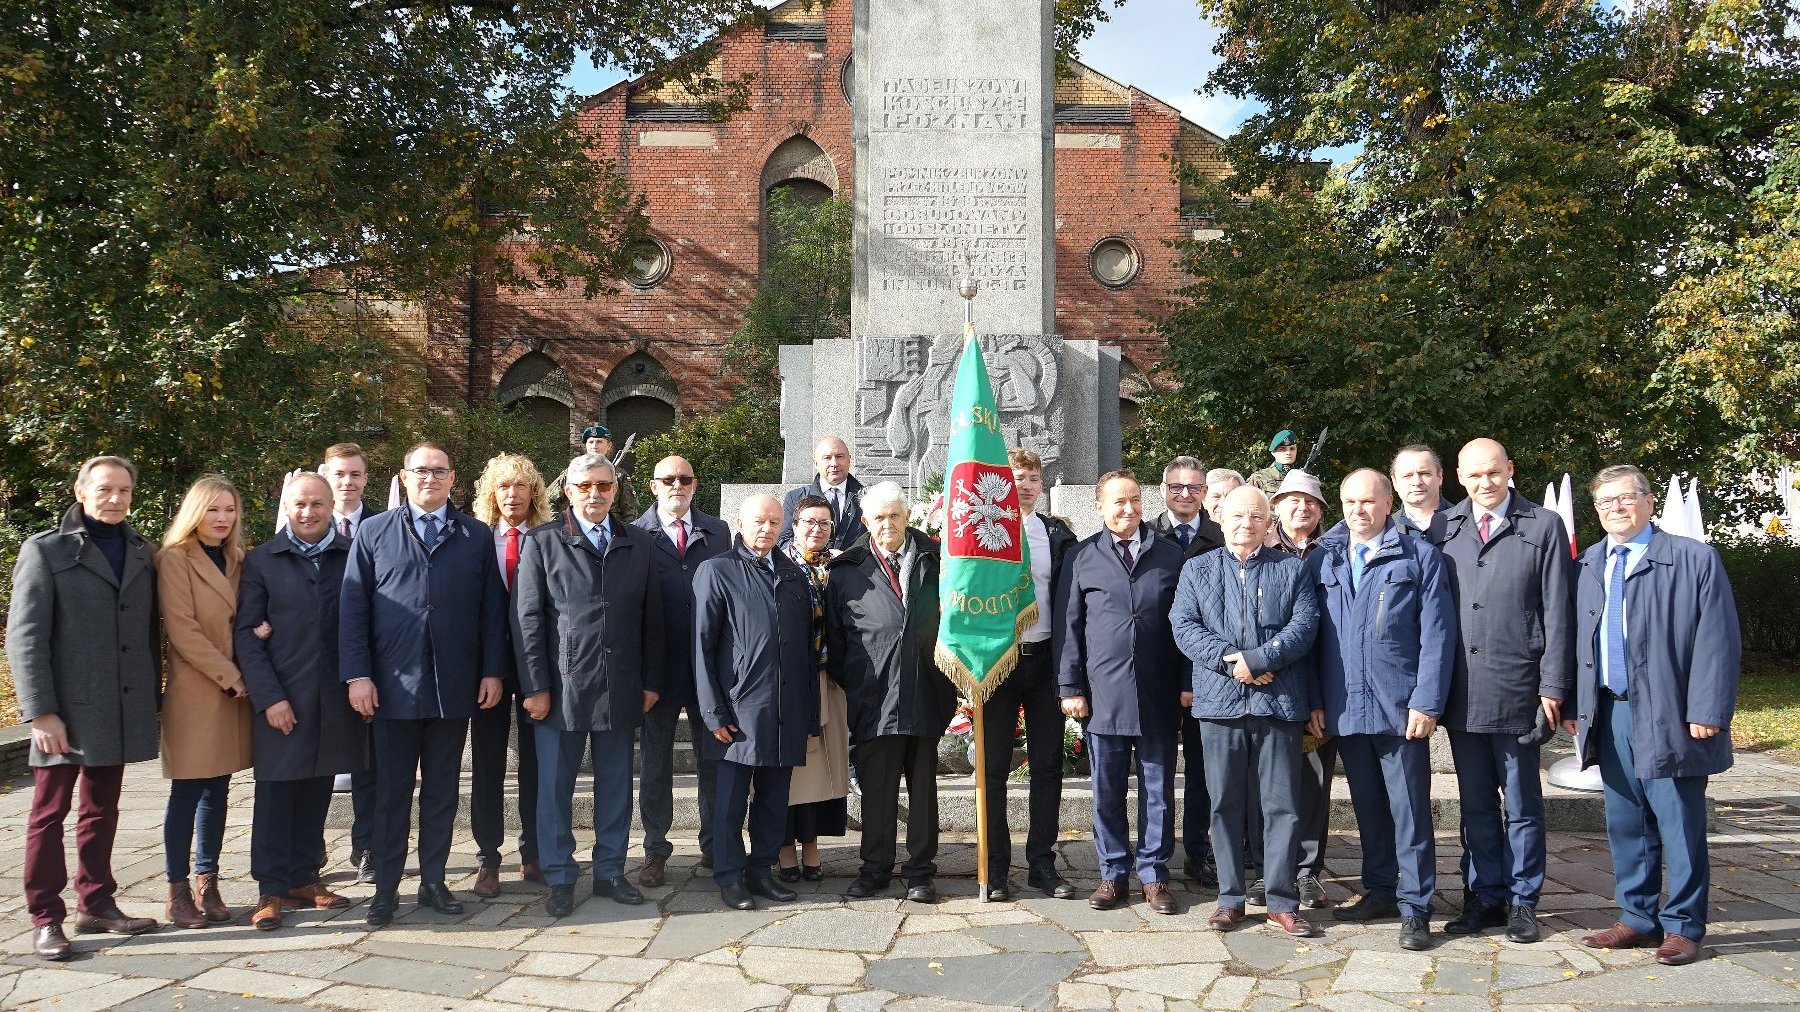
column 893, row 578
column 681, row 538
column 1482, row 528
column 1125, row 555
column 512, row 555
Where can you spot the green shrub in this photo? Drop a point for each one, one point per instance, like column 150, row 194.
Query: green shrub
column 740, row 445
column 1765, row 580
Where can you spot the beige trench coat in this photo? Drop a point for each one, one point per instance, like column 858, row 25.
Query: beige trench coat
column 205, row 706
column 826, row 775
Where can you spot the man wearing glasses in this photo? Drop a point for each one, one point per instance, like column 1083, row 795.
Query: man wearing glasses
column 684, row 537
column 1656, row 677
column 422, row 643
column 1183, row 521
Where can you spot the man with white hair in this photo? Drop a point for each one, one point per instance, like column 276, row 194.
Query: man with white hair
column 881, row 621
column 1219, row 483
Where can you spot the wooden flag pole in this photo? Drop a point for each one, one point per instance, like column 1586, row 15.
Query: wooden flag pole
column 981, row 802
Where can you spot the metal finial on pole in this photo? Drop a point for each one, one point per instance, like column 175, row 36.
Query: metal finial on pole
column 969, row 287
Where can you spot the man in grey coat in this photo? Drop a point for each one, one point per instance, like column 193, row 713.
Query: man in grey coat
column 84, row 644
column 587, row 622
column 1513, row 580
column 1246, row 616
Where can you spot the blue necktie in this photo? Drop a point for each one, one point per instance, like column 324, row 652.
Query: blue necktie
column 599, row 539
column 1184, row 534
column 431, row 533
column 1616, row 679
column 1358, row 560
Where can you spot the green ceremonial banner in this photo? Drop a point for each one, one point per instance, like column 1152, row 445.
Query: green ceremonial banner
column 985, row 581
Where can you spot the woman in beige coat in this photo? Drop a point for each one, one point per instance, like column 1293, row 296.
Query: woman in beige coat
column 816, row 794
column 205, row 706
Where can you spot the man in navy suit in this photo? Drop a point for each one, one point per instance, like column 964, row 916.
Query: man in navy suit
column 345, row 468
column 684, row 537
column 1656, row 675
column 1120, row 671
column 837, row 486
column 423, row 643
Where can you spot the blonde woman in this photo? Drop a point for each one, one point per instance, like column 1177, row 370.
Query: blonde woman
column 206, row 706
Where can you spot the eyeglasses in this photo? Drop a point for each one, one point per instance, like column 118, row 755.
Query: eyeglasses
column 422, row 473
column 590, row 487
column 682, row 480
column 815, row 525
column 1185, row 489
column 1622, row 499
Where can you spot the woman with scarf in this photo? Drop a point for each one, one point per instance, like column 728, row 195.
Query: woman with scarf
column 816, row 805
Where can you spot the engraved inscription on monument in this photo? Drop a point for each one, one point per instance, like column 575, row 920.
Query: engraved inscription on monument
column 940, row 216
column 949, row 103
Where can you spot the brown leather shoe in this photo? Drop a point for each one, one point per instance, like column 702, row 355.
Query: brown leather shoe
column 1225, row 918
column 530, row 872
column 487, row 883
column 268, row 913
column 654, row 872
column 49, row 942
column 1110, row 894
column 1159, row 897
column 1619, row 936
column 181, row 910
column 317, row 897
column 1293, row 924
column 1677, row 950
column 112, row 921
column 211, row 903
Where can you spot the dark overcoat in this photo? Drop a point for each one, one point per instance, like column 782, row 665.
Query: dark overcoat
column 426, row 626
column 1265, row 608
column 883, row 652
column 298, row 663
column 87, row 645
column 588, row 628
column 674, row 666
column 1112, row 638
column 1683, row 650
column 1388, row 647
column 1515, row 611
column 849, row 527
column 754, row 667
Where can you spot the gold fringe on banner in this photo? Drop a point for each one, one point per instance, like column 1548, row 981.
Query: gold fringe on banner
column 978, row 690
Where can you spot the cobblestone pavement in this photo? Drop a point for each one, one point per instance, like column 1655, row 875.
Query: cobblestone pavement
column 683, row 952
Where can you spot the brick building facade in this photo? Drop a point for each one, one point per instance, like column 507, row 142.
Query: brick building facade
column 639, row 358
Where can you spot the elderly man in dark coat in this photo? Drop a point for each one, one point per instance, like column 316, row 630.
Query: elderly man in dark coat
column 587, row 621
column 1120, row 671
column 757, row 680
column 1387, row 634
column 304, row 732
column 1246, row 616
column 85, row 649
column 1515, row 665
column 423, row 642
column 1658, row 649
column 881, row 622
column 684, row 538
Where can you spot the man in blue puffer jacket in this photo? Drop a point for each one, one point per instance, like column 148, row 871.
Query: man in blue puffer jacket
column 1246, row 616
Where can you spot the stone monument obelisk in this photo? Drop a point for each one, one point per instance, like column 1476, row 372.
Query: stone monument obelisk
column 954, row 140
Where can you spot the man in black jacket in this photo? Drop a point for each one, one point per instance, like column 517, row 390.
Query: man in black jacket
column 1514, row 583
column 881, row 622
column 1031, row 687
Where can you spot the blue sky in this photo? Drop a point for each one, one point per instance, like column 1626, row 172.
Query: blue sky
column 1161, row 46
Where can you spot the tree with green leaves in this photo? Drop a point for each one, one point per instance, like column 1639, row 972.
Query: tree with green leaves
column 173, row 173
column 1533, row 181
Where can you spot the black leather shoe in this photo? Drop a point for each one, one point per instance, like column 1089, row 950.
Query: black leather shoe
column 922, row 892
column 381, row 909
column 438, row 897
column 560, row 902
column 1051, row 883
column 786, row 874
column 812, row 873
column 1257, row 894
column 1522, row 924
column 619, row 890
column 1476, row 917
column 1415, row 933
column 763, row 884
column 365, row 867
column 1366, row 909
column 737, row 896
column 866, row 886
column 999, row 891
column 49, row 942
column 1205, row 872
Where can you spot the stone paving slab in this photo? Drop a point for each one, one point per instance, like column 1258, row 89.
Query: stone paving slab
column 681, row 951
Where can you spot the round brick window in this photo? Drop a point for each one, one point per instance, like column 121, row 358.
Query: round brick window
column 1114, row 262
column 649, row 263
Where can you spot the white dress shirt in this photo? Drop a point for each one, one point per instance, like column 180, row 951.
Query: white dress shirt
column 1037, row 537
